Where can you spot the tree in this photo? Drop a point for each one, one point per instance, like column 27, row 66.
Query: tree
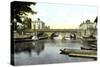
column 27, row 23
column 18, row 9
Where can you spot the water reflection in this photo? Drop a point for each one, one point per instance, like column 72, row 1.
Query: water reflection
column 37, row 46
column 45, row 51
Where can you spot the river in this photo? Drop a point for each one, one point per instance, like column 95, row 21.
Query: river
column 45, row 52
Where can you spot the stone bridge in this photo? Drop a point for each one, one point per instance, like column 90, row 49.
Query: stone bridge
column 62, row 32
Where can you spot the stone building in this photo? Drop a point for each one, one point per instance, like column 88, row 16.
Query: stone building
column 87, row 28
column 38, row 24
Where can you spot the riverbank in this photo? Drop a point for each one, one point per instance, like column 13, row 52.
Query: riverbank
column 27, row 38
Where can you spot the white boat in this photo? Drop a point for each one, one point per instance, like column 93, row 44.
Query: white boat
column 34, row 38
column 59, row 37
column 67, row 37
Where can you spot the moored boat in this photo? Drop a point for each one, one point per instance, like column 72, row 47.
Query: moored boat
column 88, row 48
column 79, row 53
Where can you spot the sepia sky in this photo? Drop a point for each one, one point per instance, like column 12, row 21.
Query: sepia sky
column 63, row 16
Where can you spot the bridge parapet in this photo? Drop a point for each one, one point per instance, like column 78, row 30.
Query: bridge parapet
column 49, row 32
column 53, row 30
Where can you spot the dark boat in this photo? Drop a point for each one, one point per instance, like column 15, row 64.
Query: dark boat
column 79, row 53
column 41, row 38
column 28, row 38
column 23, row 38
column 89, row 38
column 88, row 48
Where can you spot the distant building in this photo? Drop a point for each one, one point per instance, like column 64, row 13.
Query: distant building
column 47, row 27
column 87, row 28
column 38, row 24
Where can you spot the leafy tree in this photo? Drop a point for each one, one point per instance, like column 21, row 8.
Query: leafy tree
column 27, row 23
column 18, row 9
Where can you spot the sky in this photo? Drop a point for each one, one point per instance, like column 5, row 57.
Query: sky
column 63, row 16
